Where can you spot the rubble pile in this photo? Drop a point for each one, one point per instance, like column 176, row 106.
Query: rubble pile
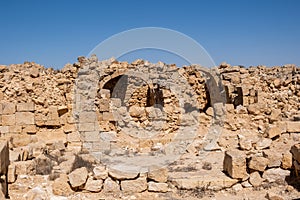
column 59, row 127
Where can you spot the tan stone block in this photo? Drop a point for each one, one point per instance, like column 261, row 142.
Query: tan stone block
column 73, row 136
column 68, row 128
column 8, row 108
column 255, row 179
column 273, row 132
column 51, row 136
column 258, row 163
column 293, row 126
column 15, row 129
column 52, row 122
column 123, row 174
column 61, row 186
column 158, row 174
column 11, row 173
column 275, row 115
column 4, row 129
column 235, row 164
column 21, row 107
column 91, row 136
column 87, row 117
column 21, row 140
column 93, row 185
column 110, row 185
column 30, row 129
column 137, row 185
column 78, row 177
column 86, row 126
column 24, row 118
column 108, row 116
column 104, row 105
column 157, row 187
column 8, row 120
column 287, row 160
column 245, row 101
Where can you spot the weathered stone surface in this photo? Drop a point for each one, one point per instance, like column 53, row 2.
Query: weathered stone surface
column 274, row 196
column 254, row 109
column 8, row 108
column 293, row 126
column 263, row 143
column 158, row 174
column 190, row 180
column 276, row 174
column 8, row 120
column 110, row 185
column 157, row 187
column 287, row 160
column 235, row 164
column 30, row 129
column 137, row 185
column 255, row 179
column 61, row 187
column 24, row 118
column 273, row 132
column 93, row 185
column 258, row 163
column 78, row 177
column 122, row 174
column 11, row 173
column 23, row 107
column 100, row 172
column 275, row 115
column 273, row 156
column 25, row 167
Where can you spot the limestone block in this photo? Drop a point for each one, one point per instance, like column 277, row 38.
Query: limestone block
column 8, row 108
column 30, row 129
column 157, row 187
column 273, row 132
column 108, row 116
column 255, row 179
column 293, row 126
column 23, row 107
column 11, row 173
column 258, row 163
column 287, row 160
column 93, row 185
column 158, row 174
column 123, row 174
column 61, row 186
column 235, row 164
column 111, row 185
column 78, row 177
column 8, row 120
column 137, row 185
column 100, row 172
column 24, row 118
column 276, row 175
column 104, row 105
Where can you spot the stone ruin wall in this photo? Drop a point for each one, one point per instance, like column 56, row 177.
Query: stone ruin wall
column 39, row 131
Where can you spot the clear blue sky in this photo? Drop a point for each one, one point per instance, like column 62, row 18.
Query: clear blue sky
column 243, row 32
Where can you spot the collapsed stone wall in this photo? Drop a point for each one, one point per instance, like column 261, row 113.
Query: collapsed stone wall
column 37, row 120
